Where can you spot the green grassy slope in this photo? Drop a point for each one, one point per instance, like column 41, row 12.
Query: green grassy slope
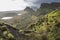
column 46, row 27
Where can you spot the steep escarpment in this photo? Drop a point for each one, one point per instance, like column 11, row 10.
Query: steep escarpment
column 48, row 7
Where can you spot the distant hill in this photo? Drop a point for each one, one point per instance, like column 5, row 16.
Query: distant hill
column 20, row 20
column 8, row 13
column 48, row 7
column 14, row 13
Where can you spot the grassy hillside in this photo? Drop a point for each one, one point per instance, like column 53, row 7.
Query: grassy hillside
column 32, row 27
column 48, row 26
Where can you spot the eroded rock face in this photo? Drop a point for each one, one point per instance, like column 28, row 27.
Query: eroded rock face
column 50, row 5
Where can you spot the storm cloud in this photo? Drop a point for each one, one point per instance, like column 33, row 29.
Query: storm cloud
column 9, row 5
column 36, row 3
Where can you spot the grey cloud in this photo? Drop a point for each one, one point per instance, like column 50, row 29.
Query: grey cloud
column 36, row 3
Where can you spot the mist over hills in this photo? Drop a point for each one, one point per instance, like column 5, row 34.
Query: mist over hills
column 14, row 13
column 44, row 9
column 28, row 9
column 48, row 7
column 8, row 13
column 27, row 14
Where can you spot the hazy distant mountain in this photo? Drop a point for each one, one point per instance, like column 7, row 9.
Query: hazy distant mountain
column 53, row 5
column 14, row 13
column 24, row 19
column 29, row 10
column 20, row 20
column 48, row 7
column 8, row 13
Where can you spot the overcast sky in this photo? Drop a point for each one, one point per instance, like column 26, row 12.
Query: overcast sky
column 8, row 5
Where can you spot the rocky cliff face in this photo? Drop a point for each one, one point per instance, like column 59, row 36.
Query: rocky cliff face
column 48, row 7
